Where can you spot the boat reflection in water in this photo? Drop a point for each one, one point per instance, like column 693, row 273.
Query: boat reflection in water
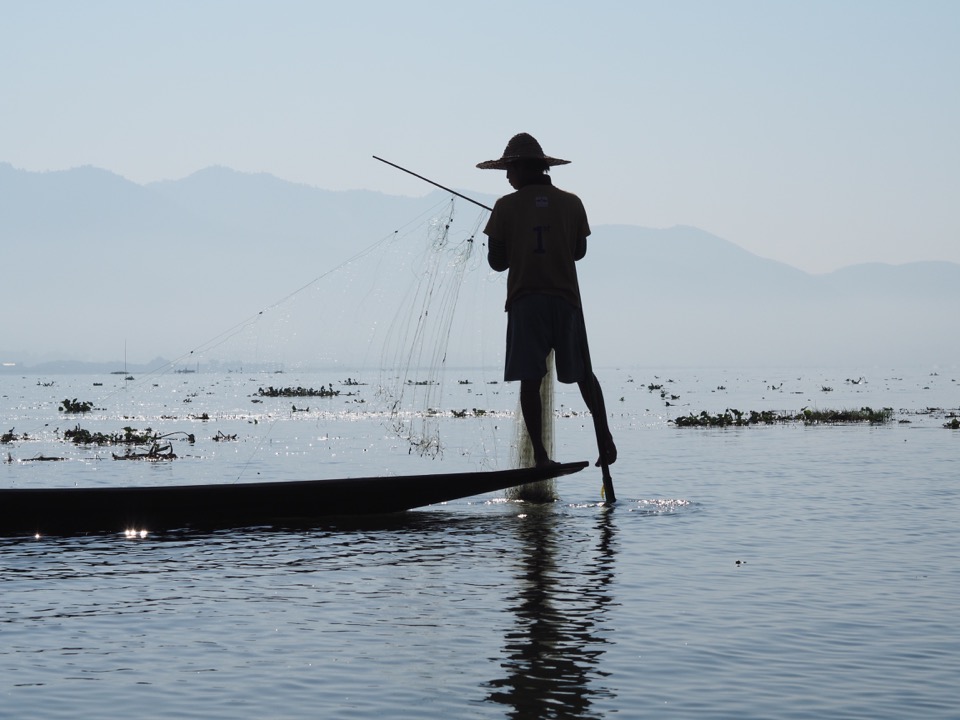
column 561, row 604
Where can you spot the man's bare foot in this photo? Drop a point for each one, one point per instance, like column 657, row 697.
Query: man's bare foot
column 609, row 453
column 546, row 462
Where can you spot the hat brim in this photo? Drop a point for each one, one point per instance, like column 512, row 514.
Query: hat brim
column 504, row 163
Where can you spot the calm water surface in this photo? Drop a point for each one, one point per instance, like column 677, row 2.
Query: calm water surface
column 761, row 572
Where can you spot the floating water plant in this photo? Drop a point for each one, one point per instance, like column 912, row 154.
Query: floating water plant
column 731, row 418
column 298, row 392
column 467, row 413
column 833, row 417
column 130, row 436
column 156, row 452
column 736, row 418
column 75, row 406
column 10, row 436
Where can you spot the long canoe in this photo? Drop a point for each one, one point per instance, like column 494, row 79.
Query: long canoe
column 59, row 511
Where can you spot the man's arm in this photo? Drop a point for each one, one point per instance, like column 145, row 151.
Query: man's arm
column 497, row 254
column 581, row 249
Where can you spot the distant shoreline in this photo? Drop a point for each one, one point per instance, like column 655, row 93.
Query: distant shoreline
column 80, row 367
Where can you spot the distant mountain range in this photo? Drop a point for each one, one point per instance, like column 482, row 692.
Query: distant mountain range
column 92, row 262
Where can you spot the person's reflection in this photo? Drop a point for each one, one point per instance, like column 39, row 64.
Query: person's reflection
column 553, row 654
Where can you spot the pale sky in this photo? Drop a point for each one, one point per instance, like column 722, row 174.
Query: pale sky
column 817, row 133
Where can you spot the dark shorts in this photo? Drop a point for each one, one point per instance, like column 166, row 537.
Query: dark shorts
column 537, row 324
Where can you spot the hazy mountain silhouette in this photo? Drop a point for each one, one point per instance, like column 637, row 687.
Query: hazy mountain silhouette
column 693, row 295
column 91, row 261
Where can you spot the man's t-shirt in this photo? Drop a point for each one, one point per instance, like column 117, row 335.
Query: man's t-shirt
column 538, row 233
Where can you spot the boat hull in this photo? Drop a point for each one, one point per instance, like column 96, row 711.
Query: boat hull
column 58, row 511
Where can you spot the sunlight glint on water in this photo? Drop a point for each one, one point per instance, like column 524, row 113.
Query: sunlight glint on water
column 761, row 572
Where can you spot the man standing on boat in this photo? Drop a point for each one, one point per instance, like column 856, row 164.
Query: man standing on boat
column 537, row 234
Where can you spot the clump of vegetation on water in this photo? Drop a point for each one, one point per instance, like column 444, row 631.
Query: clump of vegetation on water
column 76, row 406
column 834, row 417
column 129, row 436
column 808, row 416
column 298, row 392
column 468, row 413
column 156, row 452
column 10, row 437
column 731, row 418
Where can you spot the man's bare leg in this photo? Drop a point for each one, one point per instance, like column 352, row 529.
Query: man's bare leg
column 593, row 397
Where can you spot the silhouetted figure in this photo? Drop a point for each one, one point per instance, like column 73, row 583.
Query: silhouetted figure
column 537, row 234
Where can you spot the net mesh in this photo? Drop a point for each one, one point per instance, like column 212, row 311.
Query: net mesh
column 398, row 315
column 544, row 490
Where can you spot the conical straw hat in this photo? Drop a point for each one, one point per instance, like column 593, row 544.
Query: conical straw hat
column 522, row 146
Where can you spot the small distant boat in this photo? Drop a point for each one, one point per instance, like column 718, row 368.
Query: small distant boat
column 64, row 511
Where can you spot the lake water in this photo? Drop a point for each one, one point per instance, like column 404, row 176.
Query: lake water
column 761, row 572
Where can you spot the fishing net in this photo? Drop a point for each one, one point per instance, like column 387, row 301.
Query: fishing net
column 407, row 315
column 401, row 318
column 544, row 490
column 415, row 348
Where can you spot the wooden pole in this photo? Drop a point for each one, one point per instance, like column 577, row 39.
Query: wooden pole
column 410, row 172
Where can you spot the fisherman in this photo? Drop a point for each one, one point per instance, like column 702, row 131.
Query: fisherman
column 537, row 234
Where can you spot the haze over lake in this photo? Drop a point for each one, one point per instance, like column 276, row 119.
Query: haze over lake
column 97, row 266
